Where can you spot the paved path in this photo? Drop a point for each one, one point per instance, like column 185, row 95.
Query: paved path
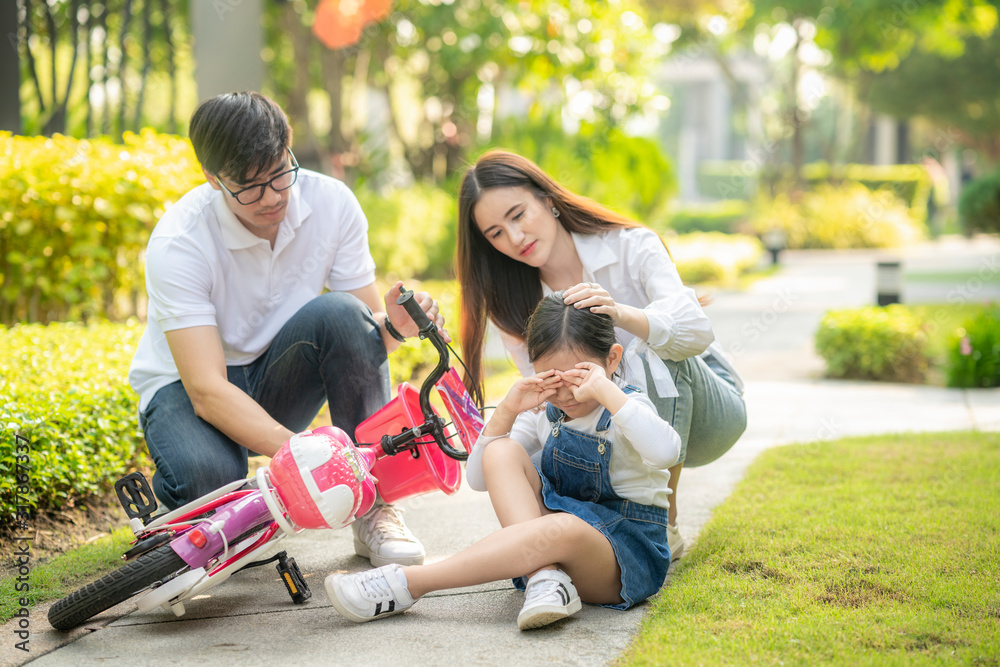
column 769, row 331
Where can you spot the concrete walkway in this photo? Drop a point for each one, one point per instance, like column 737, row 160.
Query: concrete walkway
column 768, row 329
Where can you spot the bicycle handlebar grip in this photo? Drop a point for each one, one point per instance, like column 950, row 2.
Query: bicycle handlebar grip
column 415, row 311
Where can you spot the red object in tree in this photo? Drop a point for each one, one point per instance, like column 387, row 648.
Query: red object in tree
column 339, row 23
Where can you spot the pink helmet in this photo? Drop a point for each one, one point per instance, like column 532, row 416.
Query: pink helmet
column 322, row 478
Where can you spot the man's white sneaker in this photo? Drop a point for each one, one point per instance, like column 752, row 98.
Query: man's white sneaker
column 548, row 597
column 383, row 538
column 675, row 541
column 364, row 596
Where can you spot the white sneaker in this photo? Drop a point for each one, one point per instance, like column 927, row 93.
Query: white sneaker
column 364, row 596
column 381, row 537
column 675, row 541
column 548, row 597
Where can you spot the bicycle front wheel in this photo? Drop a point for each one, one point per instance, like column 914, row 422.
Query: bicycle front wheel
column 115, row 587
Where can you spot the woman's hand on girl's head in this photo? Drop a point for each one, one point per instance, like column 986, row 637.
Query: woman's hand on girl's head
column 593, row 296
column 530, row 392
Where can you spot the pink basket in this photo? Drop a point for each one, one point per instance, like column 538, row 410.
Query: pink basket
column 405, row 476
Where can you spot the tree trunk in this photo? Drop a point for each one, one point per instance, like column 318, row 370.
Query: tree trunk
column 106, row 111
column 52, row 124
column 168, row 39
column 122, row 39
column 147, row 39
column 28, row 18
column 62, row 108
column 298, row 102
column 88, row 62
column 333, row 61
column 10, row 69
column 797, row 119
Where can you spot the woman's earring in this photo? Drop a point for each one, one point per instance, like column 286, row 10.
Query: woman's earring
column 555, row 212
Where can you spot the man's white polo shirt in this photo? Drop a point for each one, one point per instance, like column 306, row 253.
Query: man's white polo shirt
column 203, row 267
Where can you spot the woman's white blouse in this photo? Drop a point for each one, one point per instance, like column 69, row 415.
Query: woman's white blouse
column 634, row 267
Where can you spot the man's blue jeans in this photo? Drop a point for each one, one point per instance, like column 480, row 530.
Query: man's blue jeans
column 329, row 351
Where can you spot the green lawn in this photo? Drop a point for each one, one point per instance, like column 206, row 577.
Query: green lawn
column 865, row 551
column 65, row 573
column 956, row 277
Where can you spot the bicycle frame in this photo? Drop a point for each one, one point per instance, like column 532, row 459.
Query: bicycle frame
column 249, row 517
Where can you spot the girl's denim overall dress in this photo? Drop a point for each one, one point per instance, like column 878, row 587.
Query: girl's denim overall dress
column 575, row 472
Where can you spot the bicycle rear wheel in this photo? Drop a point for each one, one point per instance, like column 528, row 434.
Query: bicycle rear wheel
column 115, row 587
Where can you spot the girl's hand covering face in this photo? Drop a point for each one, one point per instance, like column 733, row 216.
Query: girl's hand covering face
column 530, row 392
column 584, row 380
column 593, row 296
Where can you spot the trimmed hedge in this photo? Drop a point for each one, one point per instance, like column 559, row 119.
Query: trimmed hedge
column 76, row 215
column 734, row 179
column 721, row 216
column 713, row 257
column 64, row 389
column 874, row 343
column 849, row 216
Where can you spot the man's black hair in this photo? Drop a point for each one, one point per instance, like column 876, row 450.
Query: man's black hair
column 239, row 135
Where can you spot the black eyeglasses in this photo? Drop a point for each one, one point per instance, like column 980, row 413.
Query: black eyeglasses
column 253, row 194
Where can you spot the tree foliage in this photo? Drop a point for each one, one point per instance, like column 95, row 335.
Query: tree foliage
column 450, row 68
column 875, row 35
column 966, row 93
column 87, row 65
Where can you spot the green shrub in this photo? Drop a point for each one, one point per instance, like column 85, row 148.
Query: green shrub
column 64, row 390
column 849, row 216
column 63, row 387
column 720, row 216
column 873, row 343
column 908, row 182
column 701, row 270
column 411, row 231
column 974, row 354
column 629, row 174
column 75, row 216
column 703, row 257
column 737, row 179
column 979, row 204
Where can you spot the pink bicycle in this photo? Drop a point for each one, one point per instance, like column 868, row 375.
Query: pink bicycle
column 318, row 479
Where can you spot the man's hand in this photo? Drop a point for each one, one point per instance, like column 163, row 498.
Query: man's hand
column 402, row 321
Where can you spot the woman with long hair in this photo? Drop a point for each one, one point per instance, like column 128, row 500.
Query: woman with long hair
column 521, row 236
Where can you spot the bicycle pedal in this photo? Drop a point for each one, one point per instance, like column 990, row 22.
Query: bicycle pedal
column 294, row 581
column 136, row 496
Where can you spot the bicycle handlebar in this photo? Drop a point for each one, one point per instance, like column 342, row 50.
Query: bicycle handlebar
column 433, row 425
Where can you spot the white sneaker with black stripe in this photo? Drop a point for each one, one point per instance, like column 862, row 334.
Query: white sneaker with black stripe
column 548, row 597
column 364, row 596
column 675, row 541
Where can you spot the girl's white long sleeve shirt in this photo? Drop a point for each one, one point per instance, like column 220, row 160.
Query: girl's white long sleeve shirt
column 644, row 446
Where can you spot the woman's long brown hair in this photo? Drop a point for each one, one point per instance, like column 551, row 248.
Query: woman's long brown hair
column 494, row 286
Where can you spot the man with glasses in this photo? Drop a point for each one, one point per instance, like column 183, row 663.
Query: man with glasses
column 241, row 348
